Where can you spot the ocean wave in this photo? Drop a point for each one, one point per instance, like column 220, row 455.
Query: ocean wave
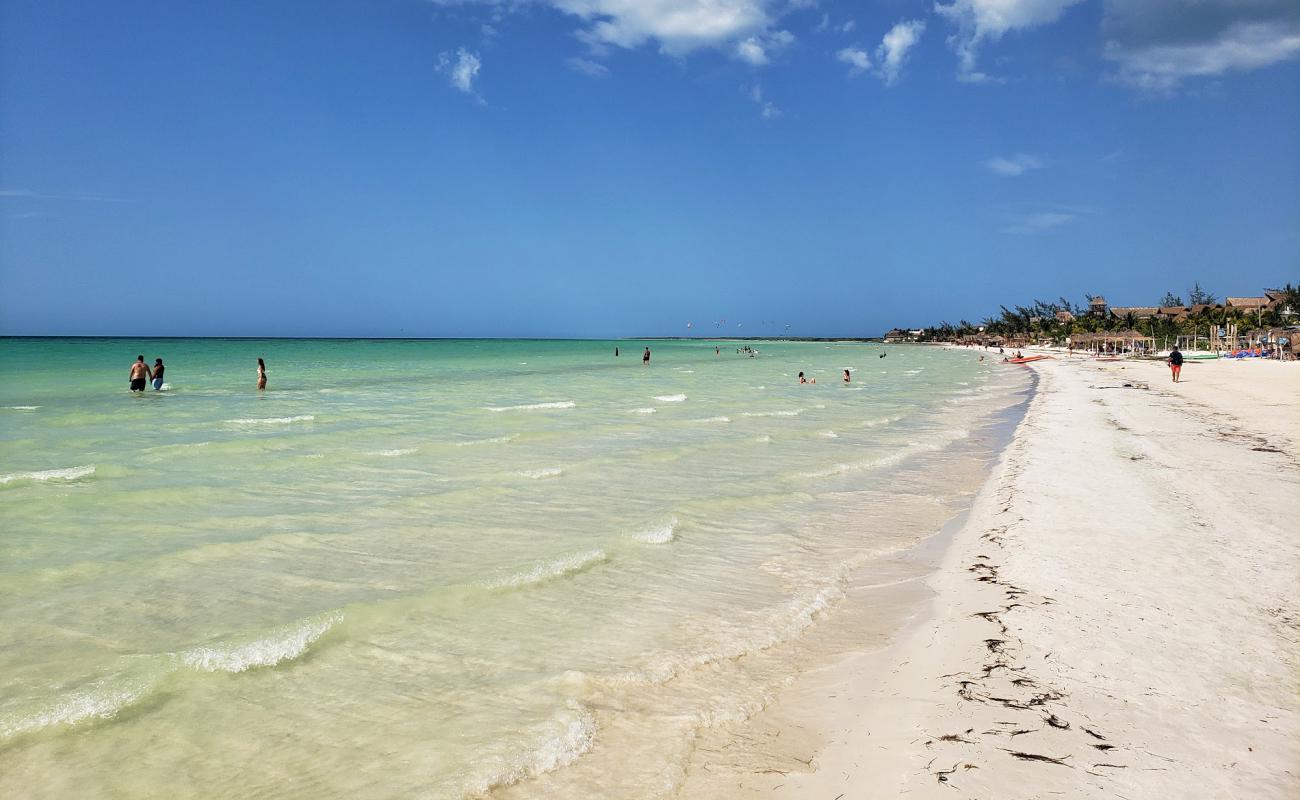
column 713, row 419
column 68, row 474
column 671, row 398
column 896, row 457
column 829, row 434
column 402, row 451
column 663, row 534
column 102, row 699
column 493, row 440
column 272, row 420
column 556, row 743
column 533, row 406
column 285, row 644
column 548, row 472
column 913, row 371
column 645, row 411
column 871, row 423
column 544, row 571
column 21, row 408
column 764, row 439
column 793, row 412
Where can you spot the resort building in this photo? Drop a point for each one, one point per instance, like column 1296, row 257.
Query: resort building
column 1064, row 316
column 1138, row 312
column 1097, row 307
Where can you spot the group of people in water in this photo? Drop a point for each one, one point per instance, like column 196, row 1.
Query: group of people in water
column 142, row 375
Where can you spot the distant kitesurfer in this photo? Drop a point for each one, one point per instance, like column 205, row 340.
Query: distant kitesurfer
column 261, row 374
column 158, row 374
column 139, row 374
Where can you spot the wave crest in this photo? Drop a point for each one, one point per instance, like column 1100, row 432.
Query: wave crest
column 284, row 645
column 68, row 474
column 533, row 406
column 544, row 571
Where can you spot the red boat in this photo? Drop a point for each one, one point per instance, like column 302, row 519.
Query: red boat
column 1026, row 359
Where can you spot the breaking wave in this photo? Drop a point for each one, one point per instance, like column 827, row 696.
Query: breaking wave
column 285, row 644
column 544, row 571
column 660, row 535
column 670, row 398
column 533, row 406
column 273, row 420
column 548, row 472
column 493, row 440
column 68, row 474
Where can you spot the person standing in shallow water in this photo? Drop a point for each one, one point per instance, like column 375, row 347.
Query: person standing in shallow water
column 139, row 374
column 261, row 374
column 645, row 357
column 158, row 369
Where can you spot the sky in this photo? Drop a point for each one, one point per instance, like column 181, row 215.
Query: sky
column 605, row 168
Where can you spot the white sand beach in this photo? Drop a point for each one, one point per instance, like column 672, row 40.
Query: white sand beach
column 1118, row 615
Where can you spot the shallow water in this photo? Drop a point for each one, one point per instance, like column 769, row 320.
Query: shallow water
column 438, row 569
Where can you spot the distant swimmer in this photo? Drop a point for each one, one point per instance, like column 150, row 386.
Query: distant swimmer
column 645, row 357
column 139, row 374
column 158, row 374
column 882, row 355
column 717, row 351
column 261, row 374
column 846, row 376
column 615, row 352
column 802, row 379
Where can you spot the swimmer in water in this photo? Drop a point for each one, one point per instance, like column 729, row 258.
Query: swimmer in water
column 645, row 357
column 846, row 376
column 802, row 379
column 261, row 374
column 158, row 374
column 139, row 374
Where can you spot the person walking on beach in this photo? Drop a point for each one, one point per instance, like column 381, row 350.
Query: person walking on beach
column 1176, row 363
column 261, row 374
column 158, row 374
column 139, row 374
column 645, row 357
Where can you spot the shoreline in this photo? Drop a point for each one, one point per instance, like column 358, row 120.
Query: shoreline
column 1096, row 626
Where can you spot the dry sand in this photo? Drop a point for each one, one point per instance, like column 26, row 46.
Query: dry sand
column 1118, row 616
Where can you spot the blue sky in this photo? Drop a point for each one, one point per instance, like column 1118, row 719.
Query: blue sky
column 620, row 167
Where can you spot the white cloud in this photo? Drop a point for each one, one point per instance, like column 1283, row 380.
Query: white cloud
column 848, row 26
column 893, row 48
column 755, row 50
column 765, row 107
column 587, row 67
column 980, row 21
column 462, row 70
column 1038, row 222
column 1014, row 166
column 1157, row 44
column 858, row 60
column 677, row 26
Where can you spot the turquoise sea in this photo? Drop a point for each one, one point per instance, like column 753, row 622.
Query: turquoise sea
column 441, row 569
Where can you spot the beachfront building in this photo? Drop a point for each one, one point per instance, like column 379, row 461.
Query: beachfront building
column 898, row 335
column 1097, row 307
column 1064, row 316
column 1137, row 312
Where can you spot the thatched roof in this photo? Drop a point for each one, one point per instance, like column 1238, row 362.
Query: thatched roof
column 1248, row 302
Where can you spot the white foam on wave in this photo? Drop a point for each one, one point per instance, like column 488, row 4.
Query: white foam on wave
column 828, row 434
column 899, row 455
column 285, row 644
column 671, row 398
column 645, row 411
column 556, row 743
column 713, row 419
column 273, row 420
column 21, row 408
column 544, row 571
column 533, row 406
column 493, row 440
column 872, row 423
column 913, row 371
column 100, row 700
column 764, row 439
column 401, row 451
column 68, row 474
column 794, row 412
column 548, row 472
column 662, row 534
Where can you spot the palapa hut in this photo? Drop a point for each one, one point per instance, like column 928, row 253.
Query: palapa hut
column 1116, row 342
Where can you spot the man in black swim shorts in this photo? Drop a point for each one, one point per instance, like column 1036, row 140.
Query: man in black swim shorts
column 139, row 374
